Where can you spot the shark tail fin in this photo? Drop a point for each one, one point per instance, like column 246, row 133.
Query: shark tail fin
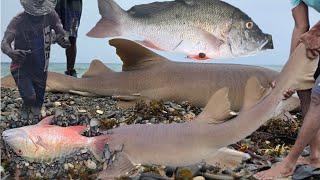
column 135, row 56
column 110, row 23
column 218, row 108
column 96, row 68
column 253, row 93
column 97, row 146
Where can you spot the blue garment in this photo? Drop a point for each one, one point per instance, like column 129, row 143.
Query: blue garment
column 316, row 88
column 315, row 4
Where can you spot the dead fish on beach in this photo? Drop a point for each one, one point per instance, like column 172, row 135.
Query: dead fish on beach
column 202, row 29
column 45, row 142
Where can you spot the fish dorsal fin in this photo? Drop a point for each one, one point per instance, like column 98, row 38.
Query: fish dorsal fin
column 46, row 121
column 218, row 108
column 135, row 56
column 78, row 129
column 96, row 68
column 253, row 93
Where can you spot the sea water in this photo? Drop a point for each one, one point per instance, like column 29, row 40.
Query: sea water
column 82, row 67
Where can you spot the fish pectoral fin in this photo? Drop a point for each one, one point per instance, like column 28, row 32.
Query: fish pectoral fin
column 81, row 93
column 46, row 121
column 227, row 158
column 96, row 68
column 119, row 167
column 217, row 109
column 253, row 93
column 135, row 56
column 214, row 41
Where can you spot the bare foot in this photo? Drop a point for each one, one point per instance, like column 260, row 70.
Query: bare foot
column 280, row 170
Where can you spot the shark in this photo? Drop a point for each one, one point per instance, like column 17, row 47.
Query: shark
column 148, row 75
column 186, row 143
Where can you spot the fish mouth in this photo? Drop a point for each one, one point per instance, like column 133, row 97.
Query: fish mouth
column 267, row 44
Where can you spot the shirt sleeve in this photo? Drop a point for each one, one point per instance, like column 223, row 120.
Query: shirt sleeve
column 295, row 3
column 13, row 25
column 56, row 23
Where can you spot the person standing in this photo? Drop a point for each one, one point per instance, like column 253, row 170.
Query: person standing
column 70, row 14
column 310, row 99
column 31, row 33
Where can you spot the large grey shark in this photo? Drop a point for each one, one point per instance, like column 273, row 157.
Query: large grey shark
column 187, row 143
column 148, row 75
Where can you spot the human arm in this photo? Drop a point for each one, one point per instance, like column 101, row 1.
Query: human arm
column 301, row 24
column 61, row 35
column 16, row 55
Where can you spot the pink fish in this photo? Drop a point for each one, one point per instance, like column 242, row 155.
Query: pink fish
column 44, row 142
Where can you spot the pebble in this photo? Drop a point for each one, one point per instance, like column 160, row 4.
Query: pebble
column 90, row 164
column 57, row 104
column 99, row 111
column 199, row 178
column 82, row 111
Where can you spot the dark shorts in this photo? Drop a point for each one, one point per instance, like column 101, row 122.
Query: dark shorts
column 31, row 85
column 70, row 14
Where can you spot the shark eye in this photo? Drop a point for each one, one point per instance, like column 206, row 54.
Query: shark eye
column 249, row 25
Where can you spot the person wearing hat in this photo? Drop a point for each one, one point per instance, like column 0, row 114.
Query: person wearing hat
column 70, row 15
column 31, row 33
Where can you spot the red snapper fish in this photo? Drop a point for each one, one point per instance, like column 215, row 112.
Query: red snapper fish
column 45, row 142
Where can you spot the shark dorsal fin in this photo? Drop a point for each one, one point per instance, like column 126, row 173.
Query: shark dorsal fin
column 96, row 68
column 135, row 56
column 253, row 93
column 217, row 109
column 46, row 121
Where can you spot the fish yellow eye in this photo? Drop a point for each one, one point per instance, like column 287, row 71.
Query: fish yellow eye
column 249, row 25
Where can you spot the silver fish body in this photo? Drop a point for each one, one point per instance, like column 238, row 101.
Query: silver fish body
column 202, row 29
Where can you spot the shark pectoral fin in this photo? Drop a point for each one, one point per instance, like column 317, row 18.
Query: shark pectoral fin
column 218, row 108
column 227, row 158
column 135, row 56
column 81, row 93
column 96, row 68
column 46, row 121
column 253, row 93
column 119, row 167
column 78, row 129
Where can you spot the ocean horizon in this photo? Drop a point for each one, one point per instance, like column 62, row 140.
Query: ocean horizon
column 81, row 68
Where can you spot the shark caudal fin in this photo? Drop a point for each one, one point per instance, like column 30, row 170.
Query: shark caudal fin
column 96, row 68
column 110, row 23
column 8, row 82
column 253, row 93
column 135, row 56
column 97, row 146
column 218, row 108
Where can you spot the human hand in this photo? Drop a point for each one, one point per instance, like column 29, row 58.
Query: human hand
column 63, row 41
column 311, row 39
column 18, row 55
column 286, row 94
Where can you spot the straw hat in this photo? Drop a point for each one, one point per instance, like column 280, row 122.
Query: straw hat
column 38, row 7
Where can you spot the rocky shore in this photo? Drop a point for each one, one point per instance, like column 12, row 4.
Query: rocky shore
column 266, row 146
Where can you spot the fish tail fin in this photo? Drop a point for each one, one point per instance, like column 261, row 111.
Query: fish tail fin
column 111, row 21
column 98, row 145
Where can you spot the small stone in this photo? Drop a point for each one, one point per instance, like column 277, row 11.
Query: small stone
column 70, row 165
column 190, row 116
column 94, row 122
column 199, row 178
column 38, row 175
column 71, row 102
column 26, row 164
column 99, row 111
column 82, row 111
column 84, row 151
column 90, row 164
column 171, row 109
column 66, row 167
column 57, row 104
